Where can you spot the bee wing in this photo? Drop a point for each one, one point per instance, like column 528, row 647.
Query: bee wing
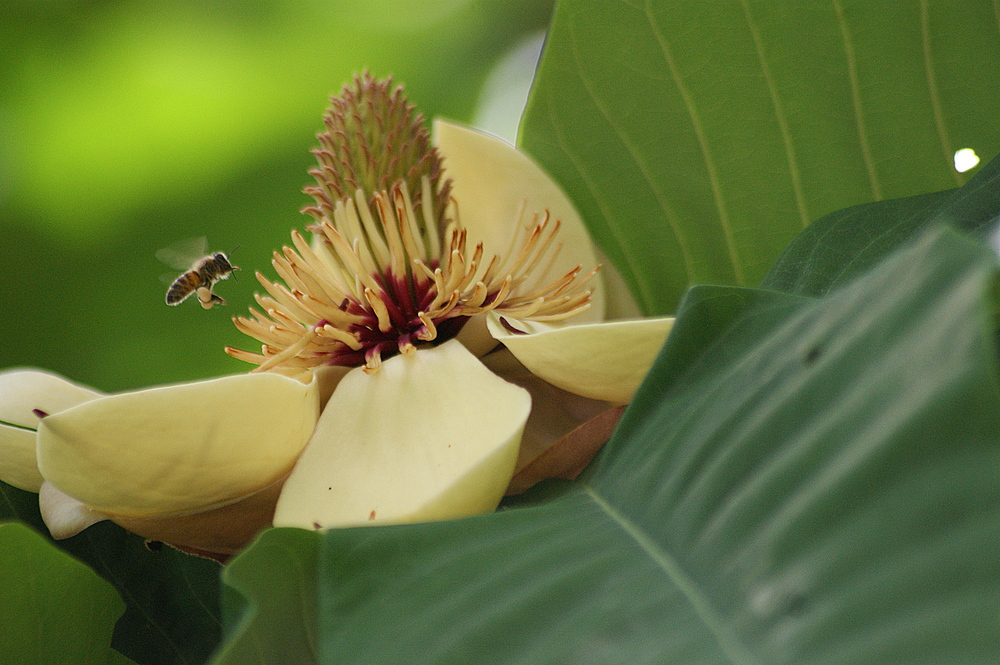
column 182, row 254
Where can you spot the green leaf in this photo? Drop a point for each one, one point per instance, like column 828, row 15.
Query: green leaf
column 698, row 138
column 172, row 614
column 270, row 601
column 798, row 481
column 53, row 609
column 842, row 245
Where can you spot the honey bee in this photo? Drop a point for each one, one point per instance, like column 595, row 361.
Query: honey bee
column 201, row 271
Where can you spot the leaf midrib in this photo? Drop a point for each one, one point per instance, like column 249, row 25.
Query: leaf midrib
column 702, row 606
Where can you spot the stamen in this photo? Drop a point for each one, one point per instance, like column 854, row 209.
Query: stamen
column 371, row 228
column 390, row 226
column 350, row 258
column 543, row 248
column 245, row 356
column 478, row 296
column 406, row 347
column 289, row 352
column 341, row 336
column 456, row 271
column 427, row 205
column 408, row 229
column 323, row 268
column 373, row 358
column 380, row 309
column 429, row 331
column 387, row 273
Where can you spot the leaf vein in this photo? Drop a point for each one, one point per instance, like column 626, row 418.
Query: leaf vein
column 932, row 87
column 699, row 602
column 852, row 74
column 706, row 152
column 669, row 214
column 779, row 114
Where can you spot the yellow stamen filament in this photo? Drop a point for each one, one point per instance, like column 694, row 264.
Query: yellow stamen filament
column 427, row 206
column 341, row 336
column 390, row 226
column 289, row 352
column 346, row 253
column 381, row 311
column 338, row 301
column 430, row 331
column 409, row 230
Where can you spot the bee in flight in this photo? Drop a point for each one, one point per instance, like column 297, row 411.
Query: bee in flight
column 201, row 271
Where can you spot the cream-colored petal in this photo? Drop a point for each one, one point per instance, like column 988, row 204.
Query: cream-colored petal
column 429, row 436
column 492, row 182
column 618, row 298
column 22, row 392
column 17, row 458
column 554, row 412
column 64, row 515
column 604, row 361
column 178, row 449
column 476, row 337
column 220, row 531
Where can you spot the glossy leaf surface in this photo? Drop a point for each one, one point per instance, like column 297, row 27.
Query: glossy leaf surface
column 798, row 481
column 704, row 136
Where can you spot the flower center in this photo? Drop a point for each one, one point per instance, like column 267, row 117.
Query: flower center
column 369, row 288
column 388, row 272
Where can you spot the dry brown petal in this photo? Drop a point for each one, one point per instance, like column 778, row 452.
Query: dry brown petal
column 571, row 454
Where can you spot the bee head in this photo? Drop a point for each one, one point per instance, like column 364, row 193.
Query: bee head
column 222, row 261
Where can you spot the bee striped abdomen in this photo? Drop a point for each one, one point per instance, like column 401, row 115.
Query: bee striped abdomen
column 183, row 286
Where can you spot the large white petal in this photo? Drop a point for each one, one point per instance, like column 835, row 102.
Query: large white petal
column 605, row 361
column 178, row 449
column 21, row 393
column 429, row 436
column 492, row 181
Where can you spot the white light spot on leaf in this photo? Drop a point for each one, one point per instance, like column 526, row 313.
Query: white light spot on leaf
column 966, row 159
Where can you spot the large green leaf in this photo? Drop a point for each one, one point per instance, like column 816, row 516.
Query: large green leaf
column 53, row 609
column 172, row 614
column 842, row 245
column 698, row 138
column 798, row 481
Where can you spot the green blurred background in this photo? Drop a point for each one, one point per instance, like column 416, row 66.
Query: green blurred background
column 127, row 126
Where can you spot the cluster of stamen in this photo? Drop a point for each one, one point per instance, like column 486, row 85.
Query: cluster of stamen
column 389, row 273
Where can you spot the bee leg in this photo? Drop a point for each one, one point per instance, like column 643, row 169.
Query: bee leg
column 207, row 298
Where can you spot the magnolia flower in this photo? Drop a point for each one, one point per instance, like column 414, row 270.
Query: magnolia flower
column 442, row 330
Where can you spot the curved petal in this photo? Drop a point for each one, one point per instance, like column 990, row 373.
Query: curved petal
column 179, row 449
column 64, row 515
column 22, row 393
column 492, row 181
column 619, row 302
column 432, row 435
column 225, row 530
column 604, row 361
column 554, row 411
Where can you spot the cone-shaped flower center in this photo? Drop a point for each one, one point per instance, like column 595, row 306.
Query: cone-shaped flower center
column 389, row 268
